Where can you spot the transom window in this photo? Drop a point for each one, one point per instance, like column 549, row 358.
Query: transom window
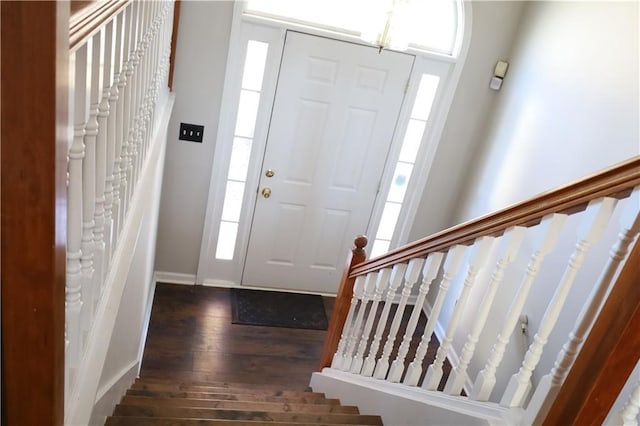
column 429, row 25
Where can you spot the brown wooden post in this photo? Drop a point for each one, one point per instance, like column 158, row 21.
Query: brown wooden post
column 343, row 301
column 34, row 128
column 607, row 357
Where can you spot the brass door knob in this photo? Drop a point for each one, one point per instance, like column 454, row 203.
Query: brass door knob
column 269, row 173
column 266, row 192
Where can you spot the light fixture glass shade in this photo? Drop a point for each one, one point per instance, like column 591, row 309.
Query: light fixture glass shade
column 387, row 24
column 376, row 16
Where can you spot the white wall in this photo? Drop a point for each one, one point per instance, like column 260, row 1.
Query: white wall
column 494, row 27
column 201, row 54
column 568, row 107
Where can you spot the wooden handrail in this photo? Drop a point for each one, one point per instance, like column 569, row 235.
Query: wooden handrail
column 616, row 181
column 89, row 19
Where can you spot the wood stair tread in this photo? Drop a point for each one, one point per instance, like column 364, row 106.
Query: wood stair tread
column 164, row 421
column 217, row 389
column 244, row 415
column 304, row 398
column 217, row 384
column 239, row 405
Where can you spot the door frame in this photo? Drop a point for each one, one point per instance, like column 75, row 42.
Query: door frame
column 228, row 273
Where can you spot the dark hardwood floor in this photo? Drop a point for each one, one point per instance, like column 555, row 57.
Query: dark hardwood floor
column 191, row 338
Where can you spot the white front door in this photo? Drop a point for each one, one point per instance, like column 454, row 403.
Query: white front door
column 333, row 119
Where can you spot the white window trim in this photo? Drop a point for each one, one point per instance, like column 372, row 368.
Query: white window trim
column 228, row 273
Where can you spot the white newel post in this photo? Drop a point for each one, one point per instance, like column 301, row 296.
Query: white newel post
column 381, row 283
column 410, row 278
column 101, row 231
column 356, row 333
column 547, row 235
column 110, row 209
column 429, row 272
column 596, row 218
column 452, row 263
column 73, row 296
column 340, row 355
column 396, row 279
column 479, row 254
column 507, row 251
column 550, row 384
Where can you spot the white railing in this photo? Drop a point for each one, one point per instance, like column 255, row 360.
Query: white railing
column 449, row 266
column 118, row 79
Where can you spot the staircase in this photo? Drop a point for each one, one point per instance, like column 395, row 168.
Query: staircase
column 160, row 402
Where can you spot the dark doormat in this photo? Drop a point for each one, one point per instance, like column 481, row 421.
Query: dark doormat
column 278, row 309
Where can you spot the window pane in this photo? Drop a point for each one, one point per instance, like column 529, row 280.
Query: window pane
column 233, row 201
column 240, row 155
column 399, row 183
column 433, row 24
column 388, row 221
column 254, row 65
column 424, row 99
column 429, row 24
column 379, row 247
column 247, row 113
column 412, row 140
column 226, row 240
column 349, row 15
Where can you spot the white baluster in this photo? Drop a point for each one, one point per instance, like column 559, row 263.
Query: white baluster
column 596, row 218
column 73, row 296
column 451, row 265
column 429, row 272
column 101, row 228
column 396, row 279
column 110, row 196
column 134, row 132
column 410, row 278
column 547, row 235
column 356, row 330
column 339, row 359
column 126, row 89
column 381, row 282
column 628, row 415
column 550, row 384
column 479, row 254
column 92, row 255
column 507, row 251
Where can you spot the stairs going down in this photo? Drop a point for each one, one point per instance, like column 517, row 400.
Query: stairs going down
column 157, row 402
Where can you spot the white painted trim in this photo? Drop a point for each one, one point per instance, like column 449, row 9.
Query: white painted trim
column 111, row 393
column 452, row 355
column 352, row 389
column 145, row 323
column 231, row 270
column 88, row 373
column 229, row 284
column 173, row 278
column 133, row 365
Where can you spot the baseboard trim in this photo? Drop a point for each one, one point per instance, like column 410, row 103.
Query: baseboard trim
column 174, row 278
